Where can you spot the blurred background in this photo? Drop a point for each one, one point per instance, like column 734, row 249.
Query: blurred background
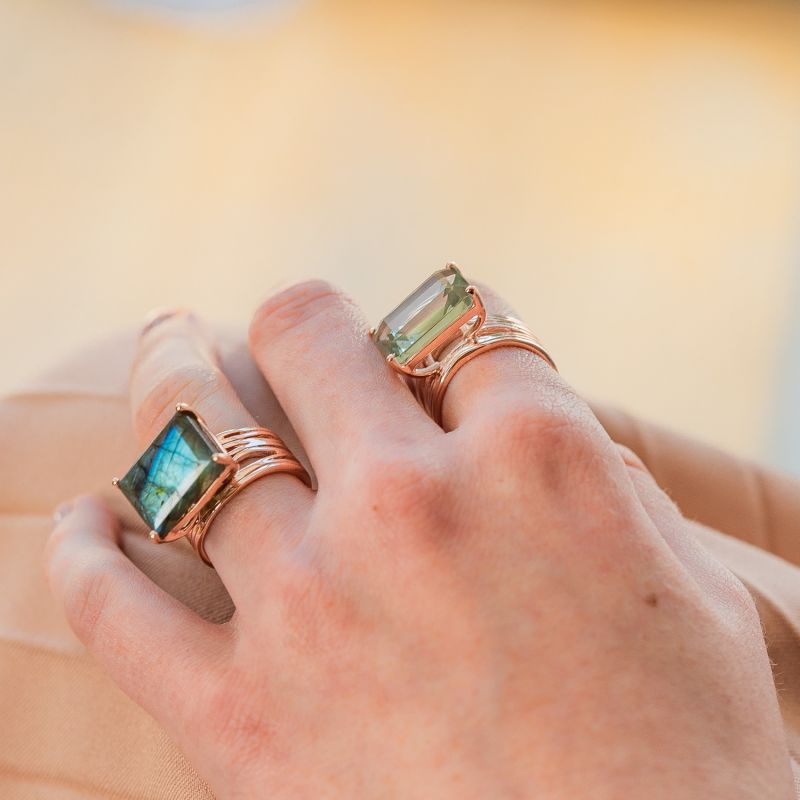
column 627, row 173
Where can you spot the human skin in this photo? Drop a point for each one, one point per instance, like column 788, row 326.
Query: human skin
column 508, row 609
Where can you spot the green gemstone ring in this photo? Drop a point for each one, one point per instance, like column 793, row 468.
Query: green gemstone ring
column 430, row 317
column 441, row 326
column 187, row 474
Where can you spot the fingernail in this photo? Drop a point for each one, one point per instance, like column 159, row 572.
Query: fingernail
column 62, row 511
column 158, row 315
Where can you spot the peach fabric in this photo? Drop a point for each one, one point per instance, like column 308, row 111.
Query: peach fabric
column 67, row 732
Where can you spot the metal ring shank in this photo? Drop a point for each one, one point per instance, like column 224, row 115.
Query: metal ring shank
column 496, row 331
column 257, row 452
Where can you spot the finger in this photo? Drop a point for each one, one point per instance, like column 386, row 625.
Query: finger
column 501, row 376
column 312, row 345
column 175, row 363
column 658, row 505
column 248, row 382
column 146, row 640
column 678, row 532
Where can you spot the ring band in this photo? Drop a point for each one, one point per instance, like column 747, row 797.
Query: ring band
column 259, row 453
column 186, row 476
column 441, row 326
column 496, row 331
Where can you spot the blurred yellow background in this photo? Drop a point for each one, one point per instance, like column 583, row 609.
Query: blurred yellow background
column 627, row 173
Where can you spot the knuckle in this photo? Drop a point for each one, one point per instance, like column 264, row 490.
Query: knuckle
column 189, row 383
column 87, row 599
column 555, row 452
column 529, row 430
column 405, row 493
column 291, row 308
column 396, row 480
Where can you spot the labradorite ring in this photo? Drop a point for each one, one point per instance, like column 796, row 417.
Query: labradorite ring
column 441, row 326
column 187, row 475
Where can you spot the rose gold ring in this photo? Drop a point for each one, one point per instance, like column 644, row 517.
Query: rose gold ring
column 439, row 327
column 496, row 331
column 186, row 476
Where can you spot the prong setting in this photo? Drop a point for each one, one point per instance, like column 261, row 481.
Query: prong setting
column 413, row 336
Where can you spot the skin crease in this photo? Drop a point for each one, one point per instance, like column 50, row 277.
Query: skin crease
column 511, row 609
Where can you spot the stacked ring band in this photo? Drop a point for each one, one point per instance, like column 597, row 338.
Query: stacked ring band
column 187, row 475
column 441, row 326
column 496, row 331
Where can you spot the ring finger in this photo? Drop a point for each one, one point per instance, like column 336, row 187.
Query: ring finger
column 175, row 363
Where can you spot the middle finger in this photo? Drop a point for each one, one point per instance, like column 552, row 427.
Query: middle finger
column 311, row 343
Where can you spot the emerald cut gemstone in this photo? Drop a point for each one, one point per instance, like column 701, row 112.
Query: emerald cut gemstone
column 432, row 308
column 172, row 474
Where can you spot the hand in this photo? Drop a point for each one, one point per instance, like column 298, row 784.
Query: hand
column 510, row 609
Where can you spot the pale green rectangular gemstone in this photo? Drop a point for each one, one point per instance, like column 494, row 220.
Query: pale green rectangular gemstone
column 439, row 302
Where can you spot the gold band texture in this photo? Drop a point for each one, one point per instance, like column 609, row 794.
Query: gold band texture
column 496, row 331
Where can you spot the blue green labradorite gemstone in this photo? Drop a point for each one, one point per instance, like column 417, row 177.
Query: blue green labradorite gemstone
column 424, row 314
column 172, row 474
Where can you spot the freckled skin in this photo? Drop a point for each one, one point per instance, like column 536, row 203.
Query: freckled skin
column 651, row 600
